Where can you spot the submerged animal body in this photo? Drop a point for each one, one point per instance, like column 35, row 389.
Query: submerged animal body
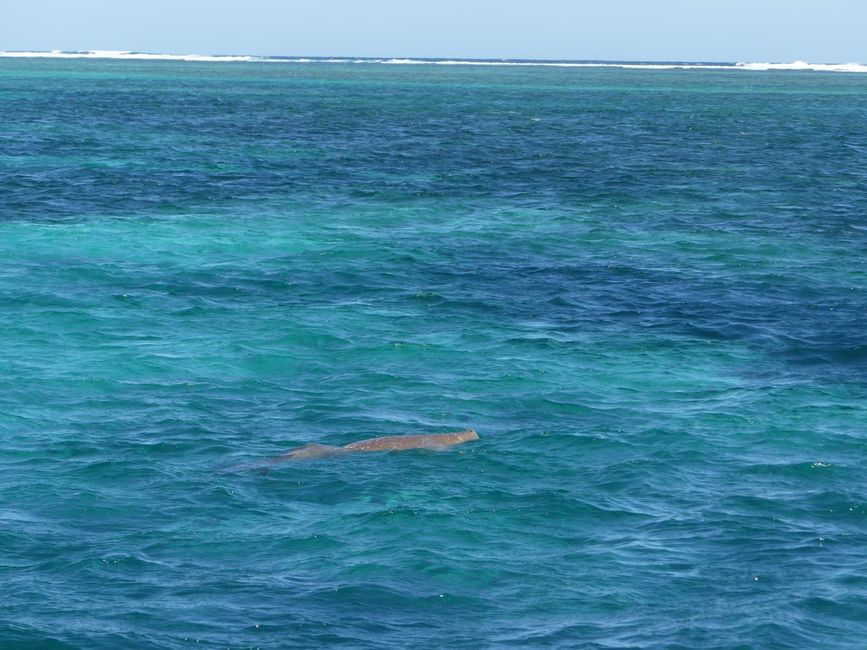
column 436, row 442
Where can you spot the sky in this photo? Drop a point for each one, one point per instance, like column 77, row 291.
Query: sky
column 819, row 31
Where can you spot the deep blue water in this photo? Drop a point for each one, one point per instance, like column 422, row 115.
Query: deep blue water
column 646, row 289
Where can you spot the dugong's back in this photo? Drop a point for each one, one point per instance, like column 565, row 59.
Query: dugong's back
column 388, row 443
column 430, row 441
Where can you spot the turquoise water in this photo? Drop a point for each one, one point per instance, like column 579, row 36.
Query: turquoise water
column 645, row 289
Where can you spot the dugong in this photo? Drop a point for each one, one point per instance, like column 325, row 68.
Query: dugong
column 435, row 441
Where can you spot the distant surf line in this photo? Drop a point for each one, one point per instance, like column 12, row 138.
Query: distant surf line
column 802, row 66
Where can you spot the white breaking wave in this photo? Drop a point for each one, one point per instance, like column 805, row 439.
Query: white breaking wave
column 118, row 54
column 759, row 67
column 803, row 65
column 211, row 58
column 558, row 64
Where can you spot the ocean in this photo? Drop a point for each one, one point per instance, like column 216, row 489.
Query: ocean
column 644, row 286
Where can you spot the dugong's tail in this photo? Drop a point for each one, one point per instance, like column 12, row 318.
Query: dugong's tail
column 313, row 450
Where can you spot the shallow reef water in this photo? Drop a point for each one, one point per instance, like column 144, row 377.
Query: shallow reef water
column 645, row 289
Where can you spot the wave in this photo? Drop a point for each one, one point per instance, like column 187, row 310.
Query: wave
column 761, row 67
column 803, row 65
column 549, row 64
column 563, row 64
column 633, row 65
column 120, row 54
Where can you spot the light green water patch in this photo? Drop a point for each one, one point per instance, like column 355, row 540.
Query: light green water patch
column 173, row 241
